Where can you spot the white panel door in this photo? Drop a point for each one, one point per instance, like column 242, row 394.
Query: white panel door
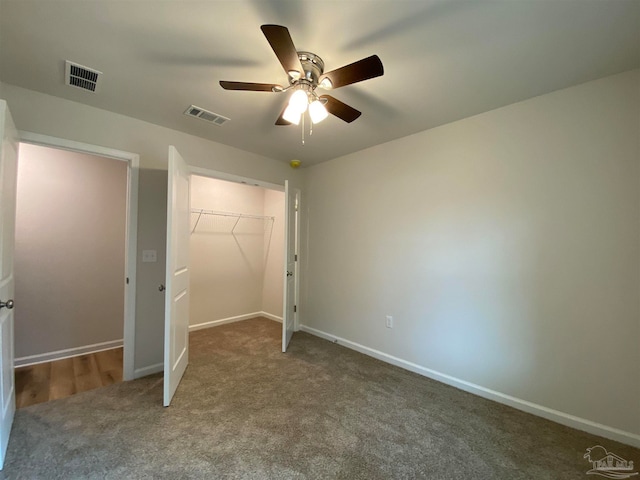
column 176, row 322
column 8, row 178
column 289, row 303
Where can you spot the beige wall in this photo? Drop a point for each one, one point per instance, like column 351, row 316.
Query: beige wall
column 229, row 270
column 69, row 253
column 48, row 115
column 506, row 246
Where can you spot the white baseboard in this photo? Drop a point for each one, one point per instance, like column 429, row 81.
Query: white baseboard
column 238, row 318
column 270, row 316
column 529, row 407
column 222, row 321
column 143, row 372
column 69, row 352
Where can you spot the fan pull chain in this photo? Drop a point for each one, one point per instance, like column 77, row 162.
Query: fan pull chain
column 303, row 128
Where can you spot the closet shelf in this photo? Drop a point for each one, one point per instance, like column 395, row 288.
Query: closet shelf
column 200, row 212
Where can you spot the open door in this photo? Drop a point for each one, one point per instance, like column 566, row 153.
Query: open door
column 176, row 322
column 290, row 241
column 8, row 179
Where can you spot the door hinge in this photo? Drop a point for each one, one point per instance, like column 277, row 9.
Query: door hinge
column 295, row 258
column 295, row 308
column 127, row 280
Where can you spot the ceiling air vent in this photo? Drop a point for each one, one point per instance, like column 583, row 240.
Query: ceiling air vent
column 81, row 77
column 206, row 115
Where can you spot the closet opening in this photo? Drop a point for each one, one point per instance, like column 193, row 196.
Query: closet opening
column 237, row 234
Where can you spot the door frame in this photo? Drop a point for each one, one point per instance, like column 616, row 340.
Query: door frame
column 229, row 177
column 131, row 230
column 296, row 243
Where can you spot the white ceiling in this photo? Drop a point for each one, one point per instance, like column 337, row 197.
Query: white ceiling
column 443, row 60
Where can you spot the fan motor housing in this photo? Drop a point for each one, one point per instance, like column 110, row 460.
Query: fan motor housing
column 313, row 67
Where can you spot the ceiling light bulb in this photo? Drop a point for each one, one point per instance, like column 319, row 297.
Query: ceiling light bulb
column 299, row 101
column 292, row 115
column 317, row 111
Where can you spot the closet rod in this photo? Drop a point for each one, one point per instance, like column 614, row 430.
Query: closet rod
column 231, row 214
column 201, row 212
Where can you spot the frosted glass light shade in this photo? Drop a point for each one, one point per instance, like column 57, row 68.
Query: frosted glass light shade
column 292, row 115
column 317, row 111
column 326, row 83
column 299, row 101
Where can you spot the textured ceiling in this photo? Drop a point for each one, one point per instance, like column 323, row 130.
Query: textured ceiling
column 443, row 60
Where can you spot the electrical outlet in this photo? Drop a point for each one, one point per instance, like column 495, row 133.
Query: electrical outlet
column 389, row 321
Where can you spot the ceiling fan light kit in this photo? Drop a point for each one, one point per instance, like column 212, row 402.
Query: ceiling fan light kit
column 299, row 101
column 304, row 98
column 305, row 73
column 292, row 115
column 317, row 111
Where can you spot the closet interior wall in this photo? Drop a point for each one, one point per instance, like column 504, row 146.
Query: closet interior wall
column 237, row 244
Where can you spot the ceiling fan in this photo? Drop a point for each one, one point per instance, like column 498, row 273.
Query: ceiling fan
column 305, row 71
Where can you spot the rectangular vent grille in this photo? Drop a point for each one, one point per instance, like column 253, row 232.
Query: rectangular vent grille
column 206, row 115
column 81, row 77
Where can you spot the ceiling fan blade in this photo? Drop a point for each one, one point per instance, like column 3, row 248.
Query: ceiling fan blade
column 340, row 110
column 252, row 87
column 282, row 45
column 364, row 69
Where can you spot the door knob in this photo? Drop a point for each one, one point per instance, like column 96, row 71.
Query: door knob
column 161, row 287
column 8, row 304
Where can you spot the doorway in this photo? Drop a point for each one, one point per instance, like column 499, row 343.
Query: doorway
column 178, row 267
column 236, row 252
column 75, row 267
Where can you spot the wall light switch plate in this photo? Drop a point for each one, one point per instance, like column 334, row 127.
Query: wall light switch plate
column 149, row 256
column 389, row 322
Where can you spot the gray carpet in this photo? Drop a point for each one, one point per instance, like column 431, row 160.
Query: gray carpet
column 244, row 410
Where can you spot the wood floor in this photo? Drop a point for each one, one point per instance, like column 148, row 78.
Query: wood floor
column 63, row 378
